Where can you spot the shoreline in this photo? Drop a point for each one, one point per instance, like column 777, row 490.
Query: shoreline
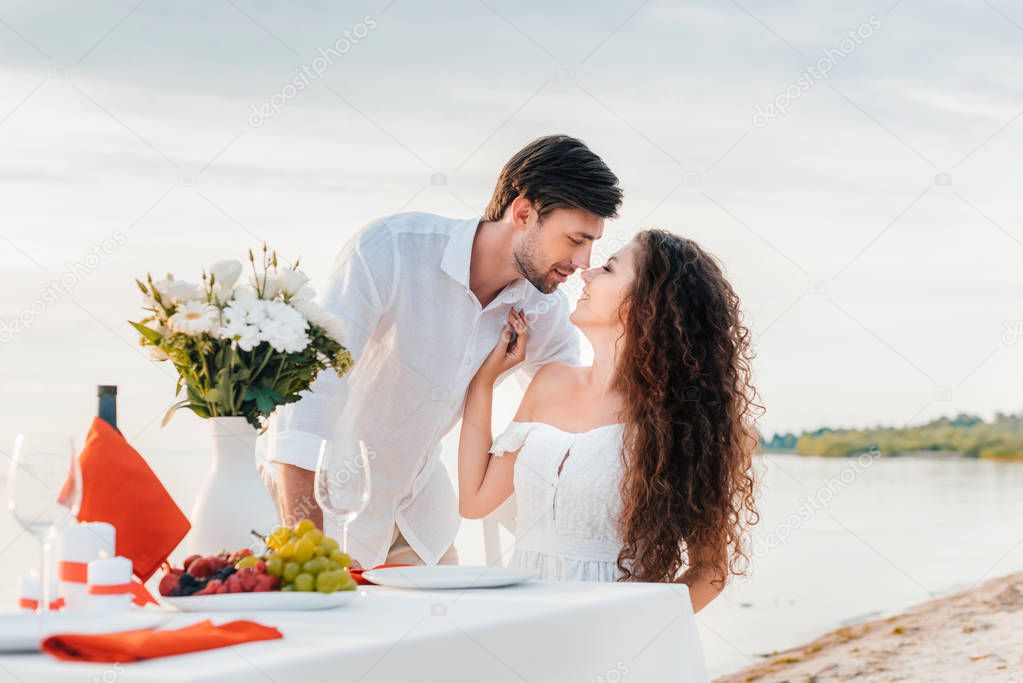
column 924, row 455
column 968, row 635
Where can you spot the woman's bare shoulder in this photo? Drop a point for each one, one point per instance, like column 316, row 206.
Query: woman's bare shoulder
column 550, row 381
column 556, row 373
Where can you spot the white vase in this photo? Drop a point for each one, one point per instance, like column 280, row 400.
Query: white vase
column 233, row 499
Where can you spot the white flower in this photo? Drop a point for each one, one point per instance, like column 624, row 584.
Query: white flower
column 321, row 317
column 304, row 294
column 226, row 273
column 246, row 307
column 242, row 319
column 178, row 291
column 266, row 283
column 194, row 318
column 156, row 353
column 235, row 329
column 291, row 281
column 284, row 327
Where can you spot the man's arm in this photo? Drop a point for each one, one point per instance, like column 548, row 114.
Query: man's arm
column 358, row 290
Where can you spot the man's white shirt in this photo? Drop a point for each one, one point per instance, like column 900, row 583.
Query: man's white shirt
column 418, row 335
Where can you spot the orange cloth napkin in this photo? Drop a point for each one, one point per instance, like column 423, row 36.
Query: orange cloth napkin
column 356, row 572
column 119, row 487
column 132, row 646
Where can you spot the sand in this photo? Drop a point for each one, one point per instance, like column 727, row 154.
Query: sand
column 975, row 635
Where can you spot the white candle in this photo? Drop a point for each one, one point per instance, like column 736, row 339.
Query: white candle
column 79, row 545
column 109, row 584
column 28, row 593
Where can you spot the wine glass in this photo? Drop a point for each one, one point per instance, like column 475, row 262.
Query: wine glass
column 44, row 492
column 342, row 482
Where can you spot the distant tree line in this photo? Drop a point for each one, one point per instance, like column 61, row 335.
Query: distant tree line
column 968, row 435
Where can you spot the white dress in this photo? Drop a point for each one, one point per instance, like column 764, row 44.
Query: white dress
column 566, row 523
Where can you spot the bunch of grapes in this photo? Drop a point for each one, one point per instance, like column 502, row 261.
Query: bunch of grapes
column 305, row 560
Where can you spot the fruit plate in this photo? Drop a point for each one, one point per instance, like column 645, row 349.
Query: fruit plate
column 267, row 600
column 23, row 631
column 446, row 576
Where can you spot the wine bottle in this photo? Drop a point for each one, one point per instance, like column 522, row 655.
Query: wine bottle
column 107, row 403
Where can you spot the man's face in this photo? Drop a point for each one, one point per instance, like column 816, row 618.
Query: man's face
column 553, row 248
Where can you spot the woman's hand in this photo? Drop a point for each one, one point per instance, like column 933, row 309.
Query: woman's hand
column 508, row 353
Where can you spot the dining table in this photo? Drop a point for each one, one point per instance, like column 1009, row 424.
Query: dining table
column 535, row 632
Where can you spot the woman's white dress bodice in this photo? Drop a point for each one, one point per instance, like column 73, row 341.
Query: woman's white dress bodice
column 566, row 523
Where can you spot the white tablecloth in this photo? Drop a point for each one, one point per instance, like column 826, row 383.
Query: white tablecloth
column 535, row 632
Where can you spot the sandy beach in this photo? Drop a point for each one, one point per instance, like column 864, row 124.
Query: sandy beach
column 974, row 635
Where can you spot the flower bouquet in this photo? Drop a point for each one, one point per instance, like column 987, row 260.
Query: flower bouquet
column 241, row 350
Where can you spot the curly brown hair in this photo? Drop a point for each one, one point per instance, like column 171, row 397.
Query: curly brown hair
column 685, row 376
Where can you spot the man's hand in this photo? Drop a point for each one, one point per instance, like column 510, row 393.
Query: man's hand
column 295, row 496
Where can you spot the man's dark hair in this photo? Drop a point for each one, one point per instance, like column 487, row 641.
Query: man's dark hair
column 556, row 171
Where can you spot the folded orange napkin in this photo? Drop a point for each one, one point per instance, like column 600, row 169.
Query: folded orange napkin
column 119, row 487
column 356, row 572
column 132, row 646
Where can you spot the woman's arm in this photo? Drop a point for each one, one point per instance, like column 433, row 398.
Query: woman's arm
column 706, row 576
column 485, row 481
column 702, row 588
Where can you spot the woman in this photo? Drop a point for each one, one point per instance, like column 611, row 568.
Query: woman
column 638, row 467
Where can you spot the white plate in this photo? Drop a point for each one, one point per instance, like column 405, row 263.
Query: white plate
column 23, row 631
column 266, row 600
column 447, row 576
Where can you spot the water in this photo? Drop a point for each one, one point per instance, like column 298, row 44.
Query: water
column 879, row 538
column 901, row 531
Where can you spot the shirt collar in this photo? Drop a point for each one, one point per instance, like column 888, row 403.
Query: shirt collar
column 458, row 257
column 458, row 253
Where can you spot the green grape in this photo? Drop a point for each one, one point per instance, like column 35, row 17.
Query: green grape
column 330, row 543
column 332, row 566
column 315, row 536
column 343, row 559
column 303, row 527
column 247, row 561
column 278, row 537
column 287, row 587
column 347, row 582
column 315, row 566
column 328, row 582
column 304, row 582
column 274, row 564
column 304, row 550
column 291, row 570
column 320, row 550
column 287, row 550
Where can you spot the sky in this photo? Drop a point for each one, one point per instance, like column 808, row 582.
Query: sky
column 850, row 165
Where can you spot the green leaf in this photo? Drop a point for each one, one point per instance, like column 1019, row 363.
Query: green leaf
column 170, row 412
column 149, row 333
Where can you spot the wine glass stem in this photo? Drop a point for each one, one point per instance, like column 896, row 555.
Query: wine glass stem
column 44, row 575
column 344, row 536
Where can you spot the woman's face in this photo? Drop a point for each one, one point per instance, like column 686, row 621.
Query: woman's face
column 605, row 287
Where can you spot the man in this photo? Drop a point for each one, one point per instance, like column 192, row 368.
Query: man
column 424, row 299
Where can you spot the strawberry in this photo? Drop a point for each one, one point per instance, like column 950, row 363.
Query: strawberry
column 170, row 581
column 206, row 566
column 264, row 583
column 239, row 554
